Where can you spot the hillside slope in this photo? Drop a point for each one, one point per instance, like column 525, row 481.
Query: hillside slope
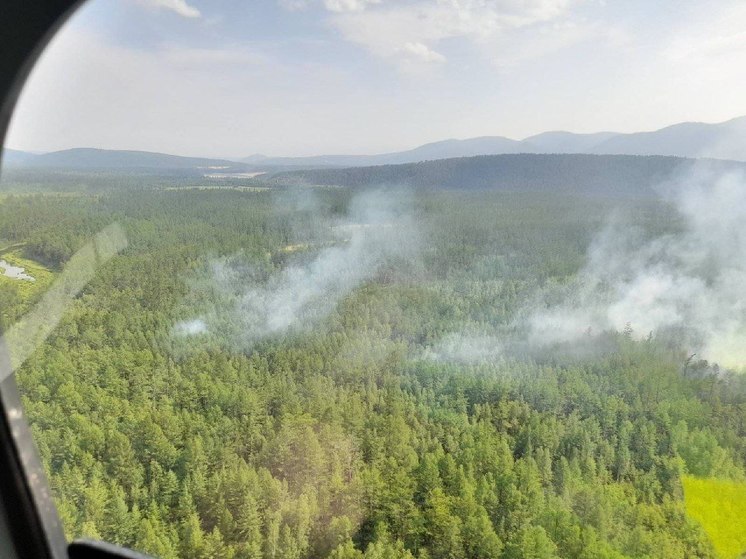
column 91, row 158
column 603, row 174
column 487, row 145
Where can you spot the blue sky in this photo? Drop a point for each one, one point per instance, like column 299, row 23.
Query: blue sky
column 229, row 78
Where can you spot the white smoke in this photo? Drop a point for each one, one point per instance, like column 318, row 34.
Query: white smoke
column 190, row 327
column 691, row 282
column 466, row 348
column 377, row 231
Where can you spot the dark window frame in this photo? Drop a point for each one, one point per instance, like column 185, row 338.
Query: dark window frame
column 27, row 512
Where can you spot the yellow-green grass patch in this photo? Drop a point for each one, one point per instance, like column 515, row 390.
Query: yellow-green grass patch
column 719, row 505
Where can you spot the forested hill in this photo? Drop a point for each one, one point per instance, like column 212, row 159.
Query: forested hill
column 91, row 158
column 609, row 174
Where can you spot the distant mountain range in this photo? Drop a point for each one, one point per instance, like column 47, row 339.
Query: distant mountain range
column 725, row 140
column 445, row 149
column 567, row 142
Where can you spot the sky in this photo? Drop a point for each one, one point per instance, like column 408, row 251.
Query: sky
column 231, row 78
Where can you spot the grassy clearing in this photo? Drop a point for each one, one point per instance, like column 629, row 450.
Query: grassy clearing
column 28, row 290
column 720, row 507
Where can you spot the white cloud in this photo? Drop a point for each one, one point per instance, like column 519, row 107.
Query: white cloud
column 338, row 6
column 202, row 59
column 213, row 102
column 348, row 5
column 177, row 6
column 423, row 52
column 307, row 87
column 537, row 41
column 387, row 29
column 712, row 40
column 294, row 5
column 409, row 31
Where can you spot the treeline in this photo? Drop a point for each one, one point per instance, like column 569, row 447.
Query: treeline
column 45, row 180
column 348, row 441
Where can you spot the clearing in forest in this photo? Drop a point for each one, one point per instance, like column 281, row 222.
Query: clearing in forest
column 719, row 505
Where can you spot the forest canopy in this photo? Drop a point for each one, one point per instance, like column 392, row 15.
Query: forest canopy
column 315, row 372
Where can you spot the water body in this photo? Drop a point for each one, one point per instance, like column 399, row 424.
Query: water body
column 234, row 175
column 14, row 272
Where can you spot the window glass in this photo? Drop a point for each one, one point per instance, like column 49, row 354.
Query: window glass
column 260, row 303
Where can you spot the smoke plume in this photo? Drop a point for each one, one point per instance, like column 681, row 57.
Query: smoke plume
column 376, row 231
column 690, row 284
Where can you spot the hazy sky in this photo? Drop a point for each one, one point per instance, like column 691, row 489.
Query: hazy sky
column 297, row 77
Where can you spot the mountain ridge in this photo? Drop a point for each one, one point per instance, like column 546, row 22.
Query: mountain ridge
column 724, row 140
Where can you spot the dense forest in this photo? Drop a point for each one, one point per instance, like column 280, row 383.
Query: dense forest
column 607, row 175
column 379, row 420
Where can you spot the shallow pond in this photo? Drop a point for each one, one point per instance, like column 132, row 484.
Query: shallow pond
column 14, row 272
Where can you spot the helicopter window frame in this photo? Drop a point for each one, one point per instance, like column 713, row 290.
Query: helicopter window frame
column 29, row 524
